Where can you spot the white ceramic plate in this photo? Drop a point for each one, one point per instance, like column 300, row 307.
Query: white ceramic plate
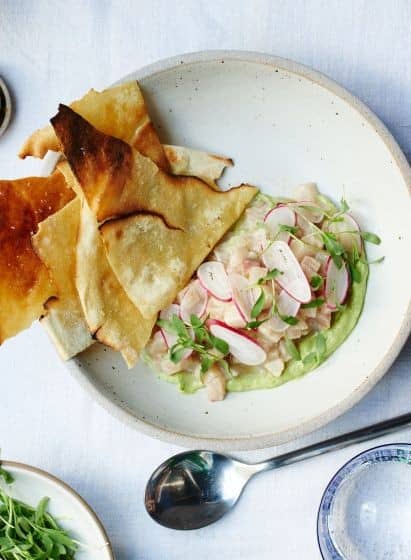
column 71, row 511
column 283, row 124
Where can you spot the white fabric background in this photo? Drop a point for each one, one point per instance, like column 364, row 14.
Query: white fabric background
column 53, row 51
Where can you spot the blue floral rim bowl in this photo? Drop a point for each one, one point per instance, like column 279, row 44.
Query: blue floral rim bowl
column 365, row 511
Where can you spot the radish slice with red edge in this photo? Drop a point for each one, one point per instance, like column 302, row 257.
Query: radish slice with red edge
column 280, row 215
column 309, row 210
column 244, row 296
column 214, row 279
column 287, row 307
column 171, row 338
column 292, row 279
column 346, row 224
column 194, row 301
column 337, row 282
column 246, row 350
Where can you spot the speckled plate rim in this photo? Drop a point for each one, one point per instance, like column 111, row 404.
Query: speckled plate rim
column 44, row 474
column 120, row 411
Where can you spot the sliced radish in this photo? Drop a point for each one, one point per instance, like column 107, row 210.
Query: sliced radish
column 309, row 210
column 292, row 279
column 171, row 338
column 214, row 279
column 166, row 314
column 244, row 296
column 194, row 301
column 340, row 229
column 241, row 346
column 337, row 282
column 171, row 310
column 287, row 306
column 280, row 215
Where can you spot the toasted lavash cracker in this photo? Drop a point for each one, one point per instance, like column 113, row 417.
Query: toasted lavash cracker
column 119, row 111
column 25, row 283
column 55, row 243
column 111, row 316
column 117, row 180
column 195, row 163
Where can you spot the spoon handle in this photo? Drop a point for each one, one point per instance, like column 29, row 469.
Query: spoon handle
column 338, row 442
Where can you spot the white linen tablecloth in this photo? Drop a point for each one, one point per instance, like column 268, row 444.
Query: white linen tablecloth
column 53, row 51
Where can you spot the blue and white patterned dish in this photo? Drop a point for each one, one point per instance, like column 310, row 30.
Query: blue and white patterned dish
column 365, row 512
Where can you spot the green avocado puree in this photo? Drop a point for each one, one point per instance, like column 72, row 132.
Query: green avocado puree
column 256, row 378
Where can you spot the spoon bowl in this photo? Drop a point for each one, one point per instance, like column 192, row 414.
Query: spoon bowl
column 194, row 489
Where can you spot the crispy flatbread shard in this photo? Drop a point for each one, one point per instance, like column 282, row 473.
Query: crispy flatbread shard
column 154, row 261
column 117, row 181
column 109, row 312
column 119, row 111
column 194, row 163
column 55, row 243
column 25, row 284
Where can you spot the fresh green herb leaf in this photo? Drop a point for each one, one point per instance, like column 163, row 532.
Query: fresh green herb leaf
column 206, row 362
column 28, row 533
column 287, row 229
column 334, row 247
column 316, row 282
column 179, row 326
column 6, row 476
column 353, row 260
column 313, row 303
column 176, row 352
column 195, row 321
column 165, row 324
column 370, row 237
column 220, row 345
column 355, row 273
column 269, row 276
column 289, row 319
column 343, row 206
column 258, row 306
column 286, row 318
column 292, row 349
column 256, row 324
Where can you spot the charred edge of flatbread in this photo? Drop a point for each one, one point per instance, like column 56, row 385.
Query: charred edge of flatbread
column 147, row 143
column 81, row 142
column 124, row 217
column 48, row 304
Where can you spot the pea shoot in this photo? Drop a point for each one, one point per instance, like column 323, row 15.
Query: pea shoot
column 28, row 533
column 210, row 349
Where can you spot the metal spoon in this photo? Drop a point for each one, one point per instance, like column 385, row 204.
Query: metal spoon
column 196, row 488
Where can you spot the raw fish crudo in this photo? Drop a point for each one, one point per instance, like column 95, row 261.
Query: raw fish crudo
column 279, row 293
column 132, row 244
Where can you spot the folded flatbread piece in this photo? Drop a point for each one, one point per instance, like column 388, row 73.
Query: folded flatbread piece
column 194, row 163
column 153, row 258
column 55, row 243
column 110, row 314
column 119, row 111
column 25, row 284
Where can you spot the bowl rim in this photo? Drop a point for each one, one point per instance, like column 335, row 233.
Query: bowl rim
column 8, row 108
column 58, row 482
column 265, row 440
column 350, row 467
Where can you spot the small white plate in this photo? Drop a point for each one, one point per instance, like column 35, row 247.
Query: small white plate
column 70, row 510
column 283, row 124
